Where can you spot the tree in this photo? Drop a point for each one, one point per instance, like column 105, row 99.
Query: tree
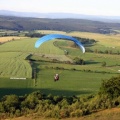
column 103, row 64
column 10, row 103
column 79, row 61
column 111, row 87
column 32, row 100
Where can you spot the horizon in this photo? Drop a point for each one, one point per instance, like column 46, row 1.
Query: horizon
column 86, row 7
column 61, row 13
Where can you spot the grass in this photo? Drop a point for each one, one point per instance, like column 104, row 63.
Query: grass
column 70, row 83
column 27, row 45
column 50, row 32
column 86, row 79
column 10, row 38
column 13, row 64
column 109, row 40
column 15, row 86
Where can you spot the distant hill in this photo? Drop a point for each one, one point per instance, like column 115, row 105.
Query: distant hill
column 114, row 19
column 29, row 23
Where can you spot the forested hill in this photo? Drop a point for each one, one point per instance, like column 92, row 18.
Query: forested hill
column 25, row 23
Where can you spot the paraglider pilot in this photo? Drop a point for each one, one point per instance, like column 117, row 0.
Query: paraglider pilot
column 56, row 77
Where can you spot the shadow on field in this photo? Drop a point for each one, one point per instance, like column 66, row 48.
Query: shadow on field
column 23, row 91
column 91, row 62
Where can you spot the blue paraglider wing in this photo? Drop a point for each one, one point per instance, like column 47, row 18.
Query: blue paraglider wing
column 55, row 36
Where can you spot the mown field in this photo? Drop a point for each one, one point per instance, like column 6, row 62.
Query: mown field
column 14, row 65
column 74, row 79
column 10, row 38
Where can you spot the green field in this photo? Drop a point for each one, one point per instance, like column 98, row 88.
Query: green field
column 13, row 64
column 74, row 79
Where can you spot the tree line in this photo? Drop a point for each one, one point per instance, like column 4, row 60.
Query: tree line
column 107, row 51
column 25, row 23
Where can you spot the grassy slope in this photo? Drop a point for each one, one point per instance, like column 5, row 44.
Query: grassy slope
column 71, row 82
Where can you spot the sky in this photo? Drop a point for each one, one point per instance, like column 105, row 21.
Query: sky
column 87, row 7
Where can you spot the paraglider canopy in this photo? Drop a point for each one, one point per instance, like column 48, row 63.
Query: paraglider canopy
column 60, row 36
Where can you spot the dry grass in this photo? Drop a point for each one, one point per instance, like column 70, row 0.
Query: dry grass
column 51, row 32
column 109, row 114
column 108, row 40
column 9, row 38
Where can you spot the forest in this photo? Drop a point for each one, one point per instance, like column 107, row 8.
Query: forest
column 68, row 25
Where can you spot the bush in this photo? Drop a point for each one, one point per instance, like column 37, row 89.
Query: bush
column 10, row 103
column 116, row 102
column 17, row 113
column 64, row 113
column 111, row 87
column 103, row 64
column 79, row 61
column 76, row 113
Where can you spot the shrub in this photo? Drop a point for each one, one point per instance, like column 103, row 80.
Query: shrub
column 111, row 87
column 77, row 113
column 17, row 113
column 79, row 61
column 10, row 103
column 64, row 113
column 103, row 64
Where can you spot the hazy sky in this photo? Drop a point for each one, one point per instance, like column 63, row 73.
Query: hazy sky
column 89, row 7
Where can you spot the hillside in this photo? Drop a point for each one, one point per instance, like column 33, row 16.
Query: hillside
column 61, row 15
column 113, row 114
column 26, row 23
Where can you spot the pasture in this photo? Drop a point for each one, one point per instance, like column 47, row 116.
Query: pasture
column 71, row 82
column 13, row 64
column 74, row 79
